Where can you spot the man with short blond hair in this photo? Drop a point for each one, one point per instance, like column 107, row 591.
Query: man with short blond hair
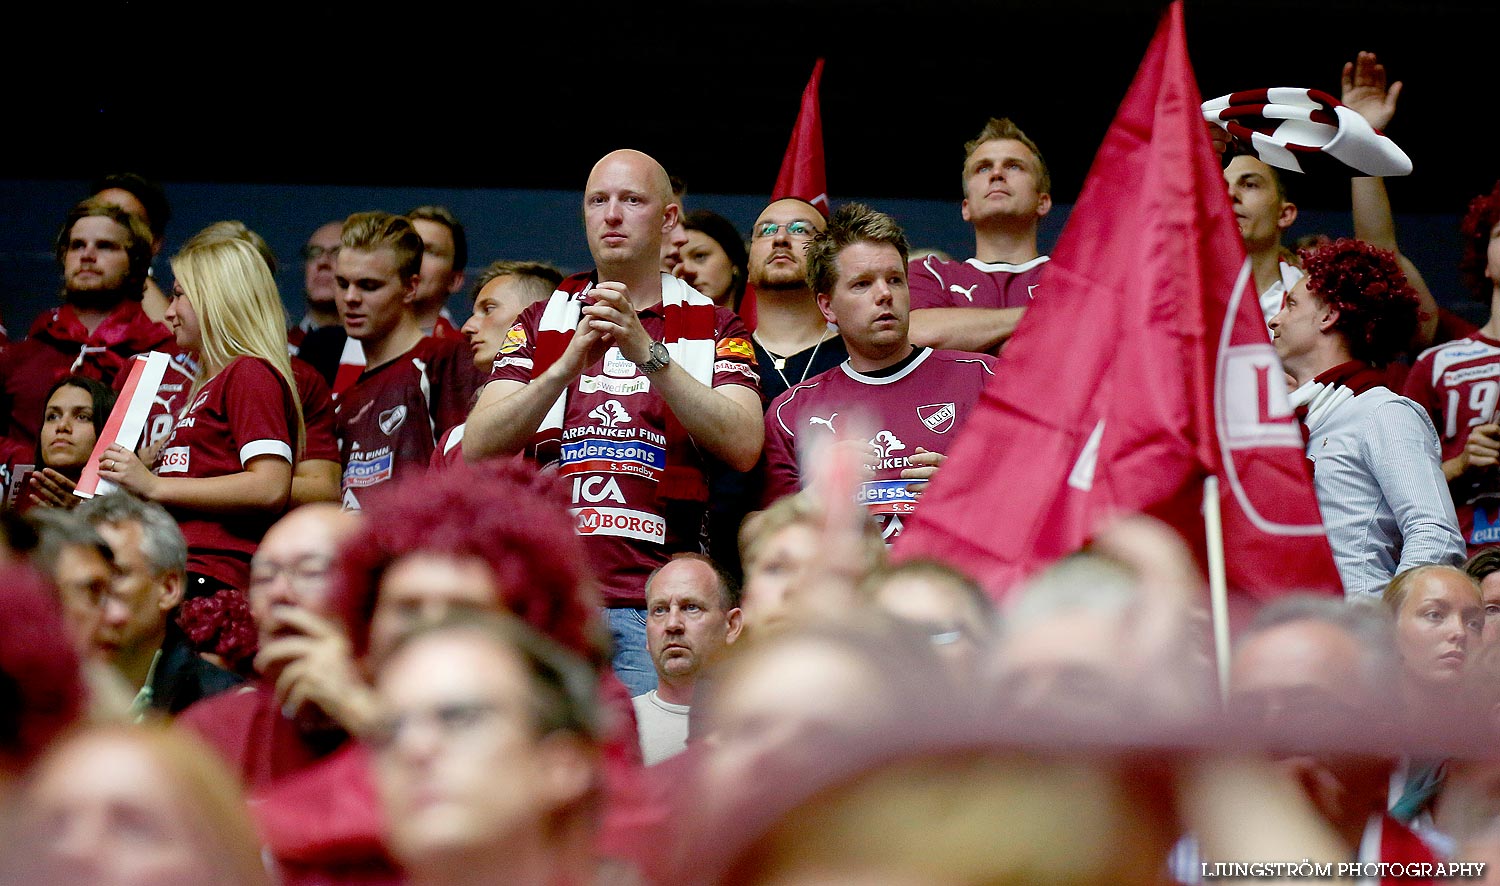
column 412, row 388
column 975, row 305
column 501, row 292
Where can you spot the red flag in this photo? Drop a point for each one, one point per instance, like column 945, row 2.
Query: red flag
column 1145, row 369
column 802, row 172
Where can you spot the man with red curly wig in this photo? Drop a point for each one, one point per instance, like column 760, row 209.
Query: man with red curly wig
column 480, row 538
column 1459, row 384
column 1376, row 468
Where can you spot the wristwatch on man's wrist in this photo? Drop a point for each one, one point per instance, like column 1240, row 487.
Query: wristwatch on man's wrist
column 660, row 357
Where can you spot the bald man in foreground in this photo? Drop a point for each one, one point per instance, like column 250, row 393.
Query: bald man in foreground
column 633, row 382
column 309, row 696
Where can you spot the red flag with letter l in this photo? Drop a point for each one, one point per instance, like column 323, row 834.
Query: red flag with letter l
column 803, row 174
column 1145, row 370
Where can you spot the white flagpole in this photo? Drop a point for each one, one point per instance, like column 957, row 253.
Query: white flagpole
column 1218, row 585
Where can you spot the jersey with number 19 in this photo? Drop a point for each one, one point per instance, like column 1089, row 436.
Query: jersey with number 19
column 1458, row 383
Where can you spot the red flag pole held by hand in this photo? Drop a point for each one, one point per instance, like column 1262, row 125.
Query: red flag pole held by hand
column 803, row 174
column 1144, row 371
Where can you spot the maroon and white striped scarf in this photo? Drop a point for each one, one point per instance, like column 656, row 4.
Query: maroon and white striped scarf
column 1305, row 130
column 689, row 337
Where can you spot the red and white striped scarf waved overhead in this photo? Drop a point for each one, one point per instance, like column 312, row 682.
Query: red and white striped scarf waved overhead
column 1305, row 130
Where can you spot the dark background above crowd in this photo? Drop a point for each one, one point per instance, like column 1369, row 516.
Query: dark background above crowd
column 288, row 116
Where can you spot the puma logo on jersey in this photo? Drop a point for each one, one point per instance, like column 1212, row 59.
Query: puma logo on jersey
column 966, row 293
column 609, row 414
column 814, row 420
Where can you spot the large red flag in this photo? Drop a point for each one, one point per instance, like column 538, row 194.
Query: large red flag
column 802, row 174
column 1145, row 369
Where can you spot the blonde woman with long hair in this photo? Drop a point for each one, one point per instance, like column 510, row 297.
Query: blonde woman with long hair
column 225, row 472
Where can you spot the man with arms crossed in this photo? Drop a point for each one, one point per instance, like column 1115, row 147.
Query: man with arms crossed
column 1007, row 191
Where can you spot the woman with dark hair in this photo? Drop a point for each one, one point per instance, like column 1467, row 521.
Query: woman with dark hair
column 714, row 259
column 77, row 408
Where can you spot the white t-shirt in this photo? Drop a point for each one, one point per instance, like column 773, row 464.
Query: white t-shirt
column 663, row 727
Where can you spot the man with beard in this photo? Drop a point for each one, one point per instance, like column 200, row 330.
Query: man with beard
column 793, row 342
column 104, row 253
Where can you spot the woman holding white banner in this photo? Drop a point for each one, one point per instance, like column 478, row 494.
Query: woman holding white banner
column 225, row 472
column 77, row 407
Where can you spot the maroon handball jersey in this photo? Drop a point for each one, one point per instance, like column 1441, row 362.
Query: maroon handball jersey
column 936, row 283
column 391, row 418
column 242, row 413
column 1458, row 383
column 312, row 393
column 924, row 403
column 614, row 450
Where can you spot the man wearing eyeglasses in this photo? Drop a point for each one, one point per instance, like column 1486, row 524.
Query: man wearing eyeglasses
column 793, row 342
column 310, row 696
column 975, row 305
column 487, row 755
column 317, row 275
column 138, row 634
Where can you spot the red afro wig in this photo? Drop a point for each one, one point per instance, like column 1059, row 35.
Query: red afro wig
column 503, row 512
column 41, row 686
column 1378, row 309
column 222, row 625
column 1479, row 221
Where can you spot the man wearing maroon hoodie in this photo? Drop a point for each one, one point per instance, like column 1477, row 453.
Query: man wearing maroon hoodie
column 104, row 253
